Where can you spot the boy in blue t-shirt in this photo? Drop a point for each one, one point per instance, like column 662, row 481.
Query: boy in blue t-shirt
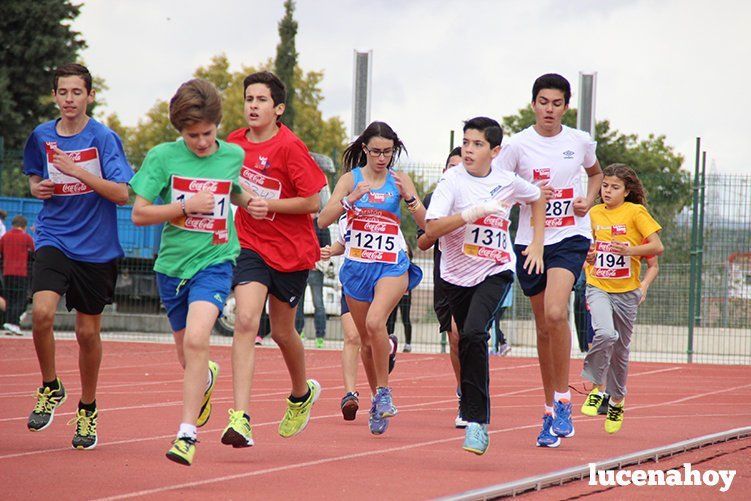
column 78, row 167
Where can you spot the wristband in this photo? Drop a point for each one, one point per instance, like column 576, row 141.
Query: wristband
column 182, row 207
column 411, row 200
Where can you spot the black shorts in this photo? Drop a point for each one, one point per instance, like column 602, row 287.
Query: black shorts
column 441, row 304
column 569, row 254
column 87, row 287
column 286, row 287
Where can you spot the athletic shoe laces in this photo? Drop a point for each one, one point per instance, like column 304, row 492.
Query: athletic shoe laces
column 237, row 420
column 85, row 424
column 615, row 413
column 183, row 444
column 594, row 400
column 46, row 402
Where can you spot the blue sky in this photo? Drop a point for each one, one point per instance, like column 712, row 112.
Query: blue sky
column 678, row 68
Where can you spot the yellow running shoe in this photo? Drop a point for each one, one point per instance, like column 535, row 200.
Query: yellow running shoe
column 297, row 416
column 182, row 451
column 592, row 403
column 44, row 411
column 205, row 412
column 85, row 437
column 614, row 421
column 238, row 432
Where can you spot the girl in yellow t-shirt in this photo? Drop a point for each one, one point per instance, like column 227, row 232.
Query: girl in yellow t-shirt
column 624, row 232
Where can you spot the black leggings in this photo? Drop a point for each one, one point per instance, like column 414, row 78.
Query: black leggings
column 405, row 304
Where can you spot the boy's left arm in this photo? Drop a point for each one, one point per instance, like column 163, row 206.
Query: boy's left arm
column 294, row 205
column 594, row 183
column 111, row 190
column 653, row 268
column 306, row 176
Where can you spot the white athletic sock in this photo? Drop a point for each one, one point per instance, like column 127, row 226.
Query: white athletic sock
column 548, row 409
column 562, row 396
column 187, row 430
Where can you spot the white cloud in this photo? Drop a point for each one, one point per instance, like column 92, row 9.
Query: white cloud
column 675, row 67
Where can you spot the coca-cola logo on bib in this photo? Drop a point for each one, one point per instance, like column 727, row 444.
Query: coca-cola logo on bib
column 372, row 255
column 74, row 188
column 495, row 221
column 494, row 254
column 606, row 272
column 199, row 223
column 197, row 185
column 253, row 177
column 375, row 227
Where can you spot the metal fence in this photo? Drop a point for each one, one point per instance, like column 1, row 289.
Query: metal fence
column 705, row 276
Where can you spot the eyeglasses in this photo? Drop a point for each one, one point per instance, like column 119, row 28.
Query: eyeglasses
column 377, row 153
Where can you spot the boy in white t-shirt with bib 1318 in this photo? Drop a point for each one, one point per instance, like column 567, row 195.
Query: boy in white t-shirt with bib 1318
column 469, row 211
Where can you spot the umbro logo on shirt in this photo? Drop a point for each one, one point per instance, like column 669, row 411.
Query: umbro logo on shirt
column 568, row 155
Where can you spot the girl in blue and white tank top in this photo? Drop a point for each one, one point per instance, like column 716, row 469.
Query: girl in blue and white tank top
column 376, row 270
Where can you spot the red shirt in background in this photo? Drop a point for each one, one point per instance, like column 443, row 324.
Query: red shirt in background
column 279, row 168
column 15, row 246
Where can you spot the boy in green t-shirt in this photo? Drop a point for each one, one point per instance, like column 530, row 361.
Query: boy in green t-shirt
column 196, row 179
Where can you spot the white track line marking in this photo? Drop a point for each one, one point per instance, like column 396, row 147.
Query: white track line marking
column 317, row 462
column 168, row 404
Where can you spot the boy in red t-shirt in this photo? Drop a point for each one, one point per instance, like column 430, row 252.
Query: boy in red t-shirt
column 15, row 247
column 279, row 246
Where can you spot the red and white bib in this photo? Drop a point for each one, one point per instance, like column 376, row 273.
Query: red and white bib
column 261, row 185
column 374, row 236
column 185, row 188
column 609, row 265
column 488, row 238
column 66, row 186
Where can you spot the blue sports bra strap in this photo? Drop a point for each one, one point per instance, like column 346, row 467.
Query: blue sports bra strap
column 356, row 177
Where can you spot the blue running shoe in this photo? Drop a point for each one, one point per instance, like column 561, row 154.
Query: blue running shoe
column 563, row 426
column 476, row 438
column 377, row 425
column 546, row 438
column 384, row 405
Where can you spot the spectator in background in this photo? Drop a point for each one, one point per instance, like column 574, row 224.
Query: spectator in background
column 3, row 215
column 15, row 247
column 315, row 281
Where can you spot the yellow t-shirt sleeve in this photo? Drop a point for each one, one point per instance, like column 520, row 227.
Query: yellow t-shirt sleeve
column 645, row 223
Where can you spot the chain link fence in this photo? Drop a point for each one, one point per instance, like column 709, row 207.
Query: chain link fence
column 720, row 331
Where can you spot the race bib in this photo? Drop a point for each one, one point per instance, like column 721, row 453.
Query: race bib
column 66, row 186
column 559, row 210
column 215, row 222
column 488, row 238
column 261, row 186
column 609, row 265
column 374, row 237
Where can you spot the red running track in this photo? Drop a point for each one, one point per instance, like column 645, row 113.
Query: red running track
column 419, row 457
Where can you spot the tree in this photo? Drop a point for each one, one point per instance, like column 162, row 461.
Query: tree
column 657, row 164
column 35, row 37
column 322, row 136
column 286, row 61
